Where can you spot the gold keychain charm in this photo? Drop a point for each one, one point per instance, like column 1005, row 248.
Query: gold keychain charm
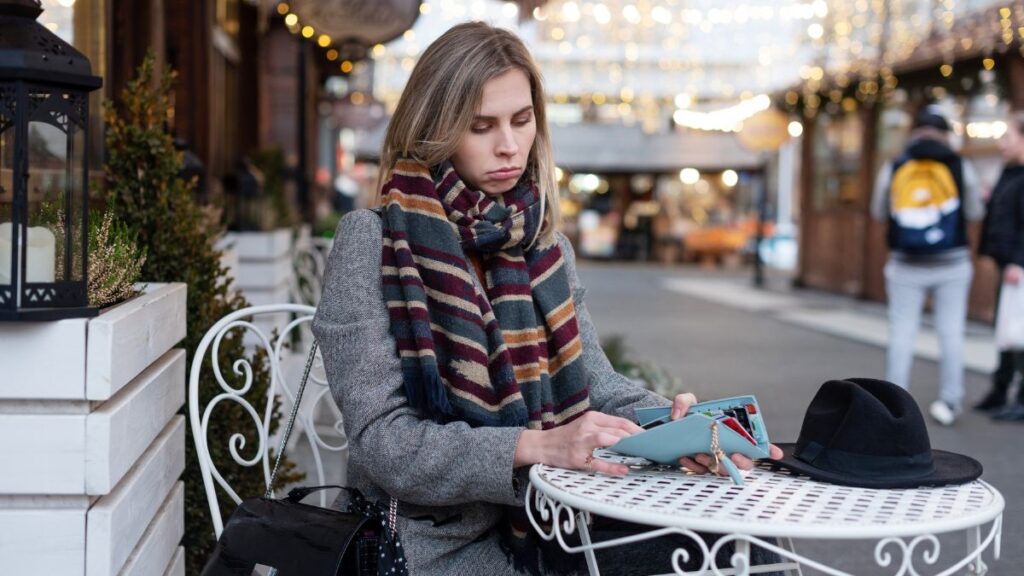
column 716, row 450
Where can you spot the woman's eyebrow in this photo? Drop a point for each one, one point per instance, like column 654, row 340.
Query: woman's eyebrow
column 492, row 118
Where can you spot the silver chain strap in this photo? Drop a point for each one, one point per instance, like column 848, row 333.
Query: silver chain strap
column 291, row 420
column 392, row 516
column 392, row 505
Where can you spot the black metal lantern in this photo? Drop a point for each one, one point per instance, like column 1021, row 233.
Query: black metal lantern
column 44, row 166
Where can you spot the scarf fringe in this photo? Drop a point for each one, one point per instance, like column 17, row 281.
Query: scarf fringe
column 427, row 393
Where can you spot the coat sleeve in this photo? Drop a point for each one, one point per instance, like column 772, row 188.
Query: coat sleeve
column 880, row 193
column 610, row 392
column 414, row 459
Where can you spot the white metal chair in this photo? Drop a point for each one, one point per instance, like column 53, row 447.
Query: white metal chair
column 309, row 259
column 286, row 367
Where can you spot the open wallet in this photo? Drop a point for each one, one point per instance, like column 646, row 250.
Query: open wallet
column 719, row 428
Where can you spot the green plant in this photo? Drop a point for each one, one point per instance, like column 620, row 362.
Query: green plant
column 644, row 373
column 271, row 163
column 326, row 226
column 145, row 190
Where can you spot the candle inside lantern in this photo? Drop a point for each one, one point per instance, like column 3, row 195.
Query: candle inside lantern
column 40, row 257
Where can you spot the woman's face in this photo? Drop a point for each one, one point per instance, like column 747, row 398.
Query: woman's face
column 1011, row 144
column 493, row 154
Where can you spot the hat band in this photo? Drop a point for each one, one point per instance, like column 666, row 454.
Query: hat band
column 866, row 466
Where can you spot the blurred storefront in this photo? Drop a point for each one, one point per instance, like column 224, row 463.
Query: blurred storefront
column 674, row 196
column 857, row 115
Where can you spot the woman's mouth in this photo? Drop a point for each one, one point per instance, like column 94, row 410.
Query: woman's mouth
column 505, row 174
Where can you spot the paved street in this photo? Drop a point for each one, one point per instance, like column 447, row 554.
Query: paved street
column 720, row 350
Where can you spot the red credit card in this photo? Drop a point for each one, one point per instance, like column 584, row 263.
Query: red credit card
column 734, row 425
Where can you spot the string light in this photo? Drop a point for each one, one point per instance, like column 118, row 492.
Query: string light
column 724, row 120
column 689, row 176
column 730, row 178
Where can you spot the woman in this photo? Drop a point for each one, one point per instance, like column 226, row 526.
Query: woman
column 498, row 366
column 1002, row 239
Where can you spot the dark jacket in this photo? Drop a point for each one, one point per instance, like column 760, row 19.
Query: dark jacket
column 1002, row 236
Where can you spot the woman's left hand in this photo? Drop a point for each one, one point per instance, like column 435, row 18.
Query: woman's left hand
column 701, row 463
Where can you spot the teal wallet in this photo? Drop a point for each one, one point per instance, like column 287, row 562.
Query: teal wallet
column 738, row 421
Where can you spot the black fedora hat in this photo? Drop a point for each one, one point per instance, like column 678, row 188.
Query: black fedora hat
column 870, row 433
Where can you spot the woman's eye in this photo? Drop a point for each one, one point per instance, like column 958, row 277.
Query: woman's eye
column 522, row 121
column 480, row 128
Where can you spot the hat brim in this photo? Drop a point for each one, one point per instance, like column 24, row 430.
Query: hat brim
column 949, row 469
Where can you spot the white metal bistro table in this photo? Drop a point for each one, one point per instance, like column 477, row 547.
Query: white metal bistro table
column 769, row 510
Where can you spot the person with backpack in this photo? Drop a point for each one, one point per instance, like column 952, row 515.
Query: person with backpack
column 926, row 195
column 1002, row 239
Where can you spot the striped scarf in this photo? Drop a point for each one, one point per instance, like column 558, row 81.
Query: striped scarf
column 509, row 355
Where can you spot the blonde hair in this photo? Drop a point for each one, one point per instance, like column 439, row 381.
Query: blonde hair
column 443, row 95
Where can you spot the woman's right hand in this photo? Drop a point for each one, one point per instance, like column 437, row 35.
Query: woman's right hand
column 572, row 446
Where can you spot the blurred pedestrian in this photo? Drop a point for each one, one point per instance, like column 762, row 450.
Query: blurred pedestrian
column 926, row 195
column 1002, row 239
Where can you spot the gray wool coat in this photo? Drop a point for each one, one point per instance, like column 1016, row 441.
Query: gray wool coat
column 460, row 476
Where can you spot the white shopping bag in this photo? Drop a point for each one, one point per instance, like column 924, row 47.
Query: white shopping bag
column 1010, row 321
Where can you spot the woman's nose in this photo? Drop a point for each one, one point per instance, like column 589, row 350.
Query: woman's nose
column 507, row 145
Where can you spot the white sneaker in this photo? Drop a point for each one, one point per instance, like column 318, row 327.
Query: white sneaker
column 943, row 413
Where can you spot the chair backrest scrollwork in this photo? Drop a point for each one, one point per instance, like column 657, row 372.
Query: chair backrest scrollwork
column 309, row 260
column 319, row 421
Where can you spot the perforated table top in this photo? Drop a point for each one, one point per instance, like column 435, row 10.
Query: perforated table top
column 768, row 504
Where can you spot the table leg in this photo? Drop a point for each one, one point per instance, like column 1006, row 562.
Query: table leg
column 973, row 543
column 743, row 551
column 787, row 543
column 588, row 549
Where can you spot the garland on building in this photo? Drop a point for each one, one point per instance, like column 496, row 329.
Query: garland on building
column 145, row 190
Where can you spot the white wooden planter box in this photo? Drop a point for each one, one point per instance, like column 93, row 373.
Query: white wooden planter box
column 264, row 274
column 98, row 536
column 262, row 245
column 264, row 259
column 90, row 451
column 229, row 258
column 261, row 297
column 91, row 442
column 91, row 358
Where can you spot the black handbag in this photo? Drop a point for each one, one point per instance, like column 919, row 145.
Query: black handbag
column 296, row 539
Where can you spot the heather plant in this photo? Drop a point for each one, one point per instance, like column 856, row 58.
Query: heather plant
column 115, row 261
column 115, row 258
